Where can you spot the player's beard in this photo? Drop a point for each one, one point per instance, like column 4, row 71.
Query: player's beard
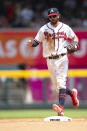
column 55, row 22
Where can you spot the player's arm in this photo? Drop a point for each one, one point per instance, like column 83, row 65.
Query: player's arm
column 75, row 43
column 73, row 46
column 38, row 39
column 32, row 43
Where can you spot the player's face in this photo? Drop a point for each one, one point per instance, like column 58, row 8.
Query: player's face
column 54, row 18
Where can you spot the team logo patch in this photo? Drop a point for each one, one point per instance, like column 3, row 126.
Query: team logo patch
column 51, row 11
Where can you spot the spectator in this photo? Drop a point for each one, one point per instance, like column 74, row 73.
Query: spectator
column 23, row 13
column 27, row 14
column 10, row 12
column 4, row 22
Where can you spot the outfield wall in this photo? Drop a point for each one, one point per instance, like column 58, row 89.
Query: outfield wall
column 13, row 49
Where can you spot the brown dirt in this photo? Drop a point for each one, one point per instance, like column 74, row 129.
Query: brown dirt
column 37, row 124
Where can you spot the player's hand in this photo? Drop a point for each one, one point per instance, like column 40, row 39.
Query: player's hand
column 29, row 43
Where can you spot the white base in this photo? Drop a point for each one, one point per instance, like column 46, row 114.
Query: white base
column 57, row 118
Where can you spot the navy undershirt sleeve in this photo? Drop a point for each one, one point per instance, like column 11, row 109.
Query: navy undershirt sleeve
column 35, row 43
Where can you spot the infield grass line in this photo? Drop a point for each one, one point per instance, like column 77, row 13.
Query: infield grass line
column 41, row 113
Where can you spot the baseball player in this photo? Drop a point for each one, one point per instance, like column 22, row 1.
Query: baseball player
column 58, row 40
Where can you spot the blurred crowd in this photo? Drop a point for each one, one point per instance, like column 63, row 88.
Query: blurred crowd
column 33, row 13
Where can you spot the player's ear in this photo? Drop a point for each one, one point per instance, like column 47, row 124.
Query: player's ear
column 59, row 15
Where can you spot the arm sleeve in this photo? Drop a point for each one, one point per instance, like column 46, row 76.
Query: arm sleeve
column 40, row 35
column 70, row 33
column 71, row 36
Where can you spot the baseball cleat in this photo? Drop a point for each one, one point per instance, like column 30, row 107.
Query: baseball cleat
column 75, row 100
column 58, row 109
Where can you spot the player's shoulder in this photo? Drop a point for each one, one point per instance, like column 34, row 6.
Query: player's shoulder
column 65, row 25
column 44, row 26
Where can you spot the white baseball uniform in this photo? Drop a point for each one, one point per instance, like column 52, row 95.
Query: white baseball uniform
column 54, row 39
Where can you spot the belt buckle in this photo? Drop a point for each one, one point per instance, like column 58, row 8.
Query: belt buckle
column 57, row 56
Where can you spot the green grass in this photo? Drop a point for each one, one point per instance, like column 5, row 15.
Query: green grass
column 79, row 113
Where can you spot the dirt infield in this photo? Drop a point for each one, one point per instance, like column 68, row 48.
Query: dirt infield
column 39, row 125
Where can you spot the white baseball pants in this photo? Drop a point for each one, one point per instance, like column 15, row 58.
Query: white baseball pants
column 58, row 69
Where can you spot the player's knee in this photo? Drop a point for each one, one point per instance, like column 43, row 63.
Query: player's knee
column 61, row 84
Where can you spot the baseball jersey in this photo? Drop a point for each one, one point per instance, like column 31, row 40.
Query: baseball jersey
column 54, row 39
